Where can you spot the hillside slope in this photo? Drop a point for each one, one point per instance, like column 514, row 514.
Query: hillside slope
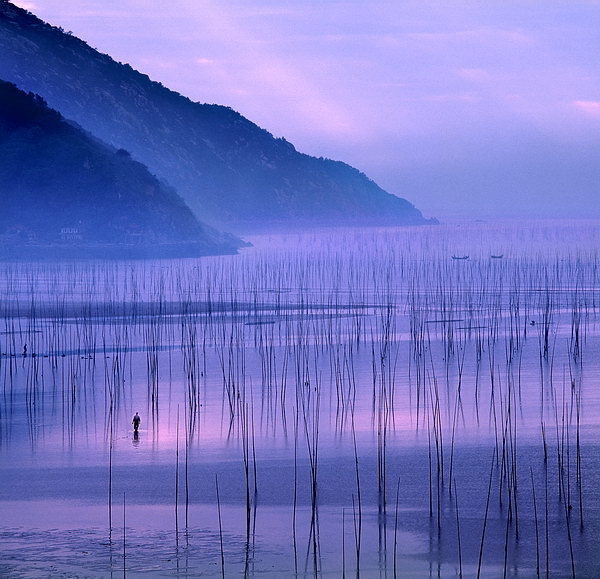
column 62, row 188
column 229, row 171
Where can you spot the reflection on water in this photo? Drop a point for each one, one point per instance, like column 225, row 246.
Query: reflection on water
column 355, row 400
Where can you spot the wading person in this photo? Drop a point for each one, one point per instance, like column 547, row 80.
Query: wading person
column 136, row 422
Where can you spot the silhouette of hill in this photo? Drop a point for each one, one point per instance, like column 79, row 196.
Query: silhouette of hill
column 65, row 191
column 230, row 171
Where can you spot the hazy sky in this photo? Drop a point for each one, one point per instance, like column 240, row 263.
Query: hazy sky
column 476, row 108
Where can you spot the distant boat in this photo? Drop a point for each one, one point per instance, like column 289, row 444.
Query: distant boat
column 460, row 257
column 497, row 256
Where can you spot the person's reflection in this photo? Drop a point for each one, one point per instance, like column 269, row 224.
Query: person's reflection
column 136, row 438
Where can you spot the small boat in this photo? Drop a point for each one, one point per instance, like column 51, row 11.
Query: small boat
column 497, row 256
column 460, row 257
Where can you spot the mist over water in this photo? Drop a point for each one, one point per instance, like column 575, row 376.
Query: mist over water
column 397, row 401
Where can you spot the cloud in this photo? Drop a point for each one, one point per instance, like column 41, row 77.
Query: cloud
column 482, row 36
column 264, row 77
column 26, row 4
column 160, row 63
column 444, row 98
column 591, row 108
column 474, row 74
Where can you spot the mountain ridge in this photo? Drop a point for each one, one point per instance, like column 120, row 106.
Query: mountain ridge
column 230, row 171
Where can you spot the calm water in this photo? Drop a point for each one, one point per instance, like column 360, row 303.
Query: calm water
column 363, row 403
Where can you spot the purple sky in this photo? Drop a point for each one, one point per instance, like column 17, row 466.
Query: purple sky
column 466, row 108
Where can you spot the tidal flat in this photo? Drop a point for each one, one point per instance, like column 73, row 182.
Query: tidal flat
column 351, row 402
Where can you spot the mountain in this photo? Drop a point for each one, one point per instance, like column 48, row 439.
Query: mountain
column 230, row 171
column 65, row 192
